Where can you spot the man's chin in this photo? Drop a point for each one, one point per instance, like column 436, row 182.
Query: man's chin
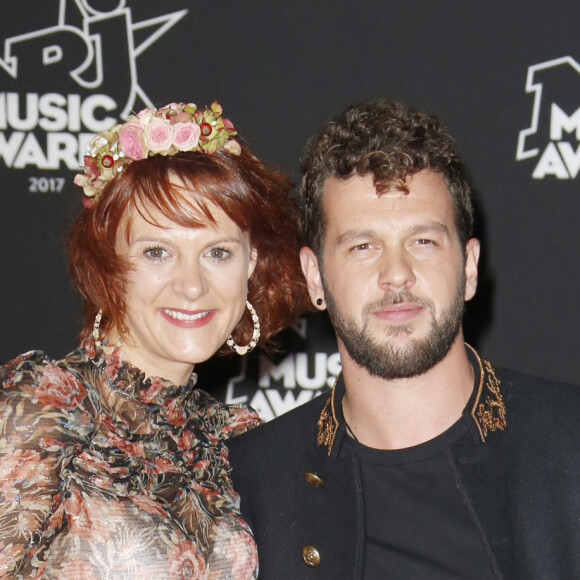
column 401, row 333
column 394, row 333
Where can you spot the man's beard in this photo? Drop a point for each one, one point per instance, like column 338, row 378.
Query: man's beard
column 411, row 359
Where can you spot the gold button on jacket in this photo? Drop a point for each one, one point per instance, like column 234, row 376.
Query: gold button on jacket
column 313, row 479
column 310, row 556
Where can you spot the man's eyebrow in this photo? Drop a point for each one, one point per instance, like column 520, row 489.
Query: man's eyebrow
column 354, row 235
column 437, row 227
column 351, row 236
column 431, row 227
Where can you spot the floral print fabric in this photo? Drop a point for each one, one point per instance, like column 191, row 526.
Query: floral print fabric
column 106, row 474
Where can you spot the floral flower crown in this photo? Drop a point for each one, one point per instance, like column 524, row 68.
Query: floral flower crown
column 165, row 131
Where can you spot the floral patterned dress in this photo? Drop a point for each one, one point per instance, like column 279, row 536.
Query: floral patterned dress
column 106, row 474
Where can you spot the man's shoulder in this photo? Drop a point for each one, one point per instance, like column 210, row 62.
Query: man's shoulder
column 516, row 384
column 291, row 428
column 535, row 405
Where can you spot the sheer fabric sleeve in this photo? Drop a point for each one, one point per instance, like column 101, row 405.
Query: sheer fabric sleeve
column 36, row 401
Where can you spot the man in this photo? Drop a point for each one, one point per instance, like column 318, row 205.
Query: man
column 424, row 462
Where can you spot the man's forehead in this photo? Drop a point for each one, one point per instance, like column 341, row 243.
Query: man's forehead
column 354, row 205
column 426, row 184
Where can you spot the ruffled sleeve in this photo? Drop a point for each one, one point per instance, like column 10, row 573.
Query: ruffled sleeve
column 37, row 399
column 225, row 421
column 240, row 418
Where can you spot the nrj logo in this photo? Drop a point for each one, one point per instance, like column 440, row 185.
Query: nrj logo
column 553, row 138
column 90, row 51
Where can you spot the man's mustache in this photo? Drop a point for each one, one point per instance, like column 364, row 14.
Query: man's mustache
column 393, row 298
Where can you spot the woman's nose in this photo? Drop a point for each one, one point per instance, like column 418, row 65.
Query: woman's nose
column 190, row 281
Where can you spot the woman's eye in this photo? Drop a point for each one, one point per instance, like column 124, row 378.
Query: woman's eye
column 219, row 254
column 155, row 253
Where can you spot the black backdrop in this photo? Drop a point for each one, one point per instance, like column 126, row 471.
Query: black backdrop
column 504, row 75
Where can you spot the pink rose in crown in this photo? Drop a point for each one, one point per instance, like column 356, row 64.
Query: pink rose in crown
column 146, row 115
column 131, row 141
column 158, row 136
column 186, row 136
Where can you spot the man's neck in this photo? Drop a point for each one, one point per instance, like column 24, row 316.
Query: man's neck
column 399, row 413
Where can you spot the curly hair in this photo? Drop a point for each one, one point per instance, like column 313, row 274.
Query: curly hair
column 391, row 142
column 255, row 197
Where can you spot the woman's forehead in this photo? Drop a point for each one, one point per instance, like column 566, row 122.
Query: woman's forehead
column 196, row 216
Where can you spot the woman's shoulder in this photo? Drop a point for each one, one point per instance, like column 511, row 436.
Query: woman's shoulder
column 46, row 381
column 30, row 363
column 225, row 419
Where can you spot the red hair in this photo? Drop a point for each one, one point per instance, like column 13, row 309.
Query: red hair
column 256, row 198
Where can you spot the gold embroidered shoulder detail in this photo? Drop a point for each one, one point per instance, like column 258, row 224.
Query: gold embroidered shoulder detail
column 326, row 425
column 327, row 422
column 489, row 410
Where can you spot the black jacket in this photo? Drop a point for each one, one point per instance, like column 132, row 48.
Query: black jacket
column 520, row 483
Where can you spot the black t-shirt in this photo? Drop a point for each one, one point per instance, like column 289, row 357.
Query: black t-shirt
column 417, row 526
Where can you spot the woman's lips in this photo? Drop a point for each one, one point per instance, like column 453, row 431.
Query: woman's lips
column 399, row 313
column 187, row 318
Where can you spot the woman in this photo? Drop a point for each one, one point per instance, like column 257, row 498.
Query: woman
column 111, row 464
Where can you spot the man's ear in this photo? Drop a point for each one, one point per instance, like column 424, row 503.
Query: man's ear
column 311, row 271
column 472, row 249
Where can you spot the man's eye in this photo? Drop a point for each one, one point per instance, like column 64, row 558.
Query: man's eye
column 362, row 247
column 424, row 242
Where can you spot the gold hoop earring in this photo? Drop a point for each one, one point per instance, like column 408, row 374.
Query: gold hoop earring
column 97, row 333
column 242, row 350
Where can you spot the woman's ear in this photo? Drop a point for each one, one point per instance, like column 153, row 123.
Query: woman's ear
column 253, row 262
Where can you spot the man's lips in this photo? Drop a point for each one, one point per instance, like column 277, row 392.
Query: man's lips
column 187, row 318
column 399, row 313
